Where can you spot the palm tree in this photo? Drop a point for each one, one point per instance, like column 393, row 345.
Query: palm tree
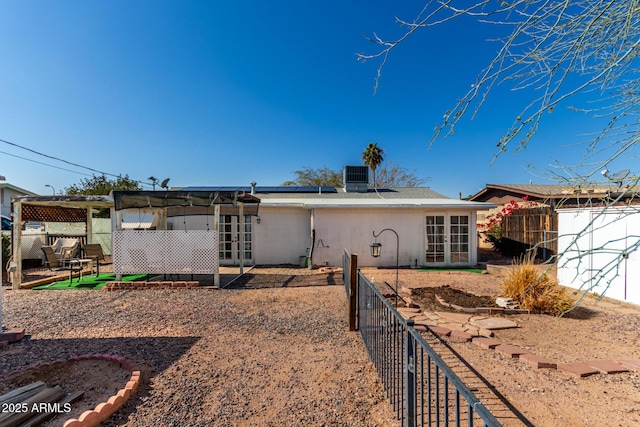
column 372, row 156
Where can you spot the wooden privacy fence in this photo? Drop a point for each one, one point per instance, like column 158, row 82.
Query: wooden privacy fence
column 527, row 228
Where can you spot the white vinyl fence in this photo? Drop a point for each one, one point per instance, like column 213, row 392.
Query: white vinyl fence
column 599, row 251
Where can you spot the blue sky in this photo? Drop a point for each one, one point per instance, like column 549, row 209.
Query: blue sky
column 225, row 93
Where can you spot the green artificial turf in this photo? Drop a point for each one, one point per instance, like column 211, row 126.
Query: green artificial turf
column 89, row 281
column 443, row 270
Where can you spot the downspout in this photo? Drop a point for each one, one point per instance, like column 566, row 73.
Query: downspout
column 313, row 240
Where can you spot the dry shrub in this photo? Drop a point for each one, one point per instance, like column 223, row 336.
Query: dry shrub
column 534, row 290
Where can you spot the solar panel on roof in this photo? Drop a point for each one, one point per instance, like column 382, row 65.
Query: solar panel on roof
column 279, row 189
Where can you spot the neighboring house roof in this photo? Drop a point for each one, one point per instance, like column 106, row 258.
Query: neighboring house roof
column 315, row 197
column 553, row 193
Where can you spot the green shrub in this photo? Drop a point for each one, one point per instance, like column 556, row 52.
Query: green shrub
column 6, row 249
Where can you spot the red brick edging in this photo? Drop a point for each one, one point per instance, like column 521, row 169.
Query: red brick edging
column 104, row 410
column 113, row 286
column 93, row 418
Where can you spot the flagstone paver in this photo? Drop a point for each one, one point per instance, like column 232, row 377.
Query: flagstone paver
column 488, row 343
column 460, row 336
column 493, row 323
column 578, row 368
column 443, row 332
column 632, row 365
column 537, row 362
column 455, row 317
column 510, row 350
column 606, row 366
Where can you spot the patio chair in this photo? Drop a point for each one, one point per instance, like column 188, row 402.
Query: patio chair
column 65, row 249
column 51, row 261
column 94, row 251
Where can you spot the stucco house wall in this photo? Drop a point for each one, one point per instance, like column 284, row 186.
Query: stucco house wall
column 283, row 235
column 291, row 222
column 353, row 229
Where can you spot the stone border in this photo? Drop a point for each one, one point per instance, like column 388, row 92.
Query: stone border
column 487, row 310
column 93, row 418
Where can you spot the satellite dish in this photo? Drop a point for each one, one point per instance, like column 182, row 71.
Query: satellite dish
column 164, row 183
column 617, row 177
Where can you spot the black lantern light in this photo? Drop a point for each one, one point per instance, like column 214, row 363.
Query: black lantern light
column 376, row 249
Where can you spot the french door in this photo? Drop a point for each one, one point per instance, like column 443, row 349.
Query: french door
column 447, row 239
column 231, row 242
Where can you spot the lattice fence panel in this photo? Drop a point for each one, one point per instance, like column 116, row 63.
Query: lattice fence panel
column 165, row 252
column 32, row 245
column 53, row 214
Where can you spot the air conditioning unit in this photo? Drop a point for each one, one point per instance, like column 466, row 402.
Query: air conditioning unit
column 356, row 179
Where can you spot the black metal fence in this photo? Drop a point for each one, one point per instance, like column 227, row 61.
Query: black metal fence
column 421, row 387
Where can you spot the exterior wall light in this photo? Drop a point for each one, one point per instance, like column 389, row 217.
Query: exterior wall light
column 376, row 250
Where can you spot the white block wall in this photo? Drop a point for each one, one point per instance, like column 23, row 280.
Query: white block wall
column 598, row 251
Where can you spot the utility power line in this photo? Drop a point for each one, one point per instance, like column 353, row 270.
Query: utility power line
column 60, row 160
column 44, row 164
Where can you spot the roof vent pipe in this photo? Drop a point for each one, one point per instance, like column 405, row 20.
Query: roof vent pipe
column 253, row 187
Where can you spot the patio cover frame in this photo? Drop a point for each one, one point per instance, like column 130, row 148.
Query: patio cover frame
column 83, row 203
column 189, row 202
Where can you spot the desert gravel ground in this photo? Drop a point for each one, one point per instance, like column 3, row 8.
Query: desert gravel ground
column 274, row 350
column 273, row 356
column 598, row 329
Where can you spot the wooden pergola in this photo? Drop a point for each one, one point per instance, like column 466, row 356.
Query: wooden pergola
column 50, row 209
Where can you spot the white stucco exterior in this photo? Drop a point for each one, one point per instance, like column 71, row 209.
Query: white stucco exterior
column 283, row 235
column 598, row 251
column 352, row 229
column 293, row 225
